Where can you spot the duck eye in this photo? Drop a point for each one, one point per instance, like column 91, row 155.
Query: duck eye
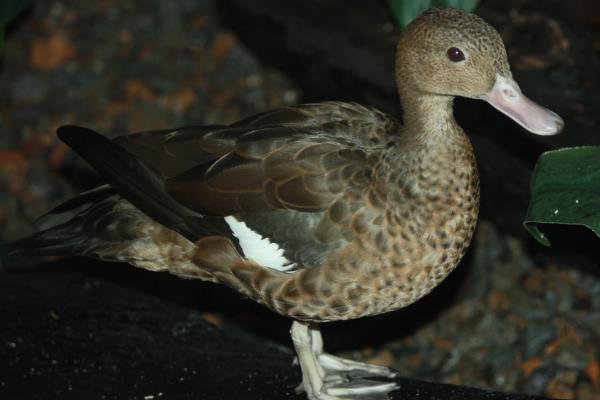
column 455, row 55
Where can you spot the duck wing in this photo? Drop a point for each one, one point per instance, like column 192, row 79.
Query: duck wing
column 290, row 177
column 294, row 176
column 172, row 151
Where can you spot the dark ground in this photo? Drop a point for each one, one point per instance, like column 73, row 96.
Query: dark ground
column 513, row 317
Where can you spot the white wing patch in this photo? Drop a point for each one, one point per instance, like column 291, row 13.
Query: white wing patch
column 258, row 248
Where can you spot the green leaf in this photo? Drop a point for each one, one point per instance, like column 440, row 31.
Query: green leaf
column 407, row 10
column 565, row 189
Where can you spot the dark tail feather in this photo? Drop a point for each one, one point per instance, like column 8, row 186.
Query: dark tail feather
column 56, row 241
column 107, row 216
column 85, row 198
column 133, row 179
column 100, row 221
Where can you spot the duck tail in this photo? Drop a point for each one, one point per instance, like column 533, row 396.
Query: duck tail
column 79, row 226
column 101, row 222
column 133, row 179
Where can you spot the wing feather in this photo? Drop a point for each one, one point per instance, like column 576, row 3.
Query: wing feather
column 310, row 163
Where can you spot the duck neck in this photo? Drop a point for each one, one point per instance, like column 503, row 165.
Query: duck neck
column 428, row 115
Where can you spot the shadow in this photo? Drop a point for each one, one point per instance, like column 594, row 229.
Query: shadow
column 241, row 315
column 572, row 246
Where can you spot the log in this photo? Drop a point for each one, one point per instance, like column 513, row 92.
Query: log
column 75, row 335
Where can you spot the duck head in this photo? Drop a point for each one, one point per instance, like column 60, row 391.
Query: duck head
column 449, row 52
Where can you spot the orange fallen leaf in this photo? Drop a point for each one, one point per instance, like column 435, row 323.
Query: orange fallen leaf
column 533, row 281
column 555, row 344
column 58, row 155
column 50, row 53
column 498, row 301
column 33, row 146
column 519, row 321
column 211, row 319
column 136, row 89
column 221, row 46
column 562, row 385
column 384, row 358
column 414, row 360
column 529, row 366
column 13, row 171
column 116, row 108
column 224, row 97
column 558, row 391
column 592, row 370
column 180, row 100
column 11, row 157
column 566, row 333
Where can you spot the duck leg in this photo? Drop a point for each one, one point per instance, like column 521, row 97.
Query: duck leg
column 327, row 377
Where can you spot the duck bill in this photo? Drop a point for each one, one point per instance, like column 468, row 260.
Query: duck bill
column 506, row 96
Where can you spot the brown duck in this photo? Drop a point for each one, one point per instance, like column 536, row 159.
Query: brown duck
column 321, row 212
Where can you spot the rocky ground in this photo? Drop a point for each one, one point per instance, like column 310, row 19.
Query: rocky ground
column 512, row 317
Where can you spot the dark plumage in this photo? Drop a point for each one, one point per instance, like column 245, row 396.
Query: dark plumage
column 363, row 215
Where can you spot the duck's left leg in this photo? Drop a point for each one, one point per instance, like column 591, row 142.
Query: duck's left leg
column 327, row 377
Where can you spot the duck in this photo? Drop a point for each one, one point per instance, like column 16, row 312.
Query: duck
column 322, row 211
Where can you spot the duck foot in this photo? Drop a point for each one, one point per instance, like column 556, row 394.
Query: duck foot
column 328, row 377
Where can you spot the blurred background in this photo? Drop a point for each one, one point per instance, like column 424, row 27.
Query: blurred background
column 515, row 316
